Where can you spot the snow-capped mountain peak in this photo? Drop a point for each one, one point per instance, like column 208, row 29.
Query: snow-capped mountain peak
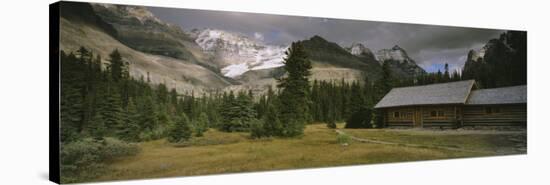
column 212, row 39
column 239, row 52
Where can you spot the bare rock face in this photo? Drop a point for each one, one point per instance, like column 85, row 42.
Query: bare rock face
column 399, row 61
column 396, row 53
column 361, row 51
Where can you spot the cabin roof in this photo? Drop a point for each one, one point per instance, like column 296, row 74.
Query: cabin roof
column 434, row 94
column 503, row 95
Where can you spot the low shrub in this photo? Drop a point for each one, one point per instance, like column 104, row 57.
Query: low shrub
column 257, row 129
column 156, row 133
column 331, row 124
column 343, row 139
column 85, row 159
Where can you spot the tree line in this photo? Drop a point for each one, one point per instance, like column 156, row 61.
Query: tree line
column 102, row 100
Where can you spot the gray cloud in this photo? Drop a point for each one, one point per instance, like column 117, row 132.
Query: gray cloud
column 429, row 45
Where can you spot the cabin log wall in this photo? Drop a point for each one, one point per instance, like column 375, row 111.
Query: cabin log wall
column 447, row 120
column 508, row 115
column 406, row 120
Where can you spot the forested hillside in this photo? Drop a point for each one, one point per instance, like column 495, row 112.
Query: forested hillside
column 501, row 62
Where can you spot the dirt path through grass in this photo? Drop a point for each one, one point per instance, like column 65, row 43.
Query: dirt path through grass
column 409, row 145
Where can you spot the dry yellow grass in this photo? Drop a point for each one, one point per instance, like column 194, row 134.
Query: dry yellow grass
column 219, row 152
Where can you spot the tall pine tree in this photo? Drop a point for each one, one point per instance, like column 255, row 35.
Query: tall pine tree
column 295, row 87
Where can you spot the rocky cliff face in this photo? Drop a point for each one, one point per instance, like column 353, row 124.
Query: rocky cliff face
column 399, row 61
column 360, row 50
column 141, row 30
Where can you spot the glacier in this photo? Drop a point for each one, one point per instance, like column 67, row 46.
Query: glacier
column 245, row 54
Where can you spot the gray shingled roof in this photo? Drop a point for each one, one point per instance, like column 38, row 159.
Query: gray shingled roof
column 503, row 95
column 443, row 93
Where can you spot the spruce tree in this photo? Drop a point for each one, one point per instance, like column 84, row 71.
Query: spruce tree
column 111, row 109
column 71, row 114
column 181, row 129
column 97, row 127
column 237, row 113
column 295, row 90
column 272, row 126
column 147, row 115
column 200, row 124
column 130, row 130
column 117, row 66
column 446, row 74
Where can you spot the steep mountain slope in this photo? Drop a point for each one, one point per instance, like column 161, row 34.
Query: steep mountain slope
column 330, row 61
column 141, row 30
column 85, row 28
column 501, row 62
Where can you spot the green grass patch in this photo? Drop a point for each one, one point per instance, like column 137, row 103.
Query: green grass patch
column 220, row 152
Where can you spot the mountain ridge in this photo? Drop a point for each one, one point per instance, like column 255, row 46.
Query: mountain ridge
column 224, row 58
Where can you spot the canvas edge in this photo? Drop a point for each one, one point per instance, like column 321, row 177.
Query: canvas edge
column 54, row 86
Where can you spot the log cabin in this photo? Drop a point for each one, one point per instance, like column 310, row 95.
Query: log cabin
column 454, row 104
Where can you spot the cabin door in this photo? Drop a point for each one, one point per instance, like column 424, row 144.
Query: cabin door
column 417, row 117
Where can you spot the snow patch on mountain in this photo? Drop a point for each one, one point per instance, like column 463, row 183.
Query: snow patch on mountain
column 241, row 53
column 235, row 70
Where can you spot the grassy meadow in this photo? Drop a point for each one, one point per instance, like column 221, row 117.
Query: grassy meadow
column 221, row 152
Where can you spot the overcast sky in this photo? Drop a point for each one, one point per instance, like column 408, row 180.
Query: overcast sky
column 430, row 46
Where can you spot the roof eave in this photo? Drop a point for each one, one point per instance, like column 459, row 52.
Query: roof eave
column 415, row 105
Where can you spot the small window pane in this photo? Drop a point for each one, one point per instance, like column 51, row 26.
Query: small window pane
column 434, row 113
column 488, row 110
column 440, row 113
column 395, row 114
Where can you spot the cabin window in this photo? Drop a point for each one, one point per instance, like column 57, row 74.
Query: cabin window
column 488, row 110
column 396, row 114
column 437, row 113
column 492, row 110
column 440, row 113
